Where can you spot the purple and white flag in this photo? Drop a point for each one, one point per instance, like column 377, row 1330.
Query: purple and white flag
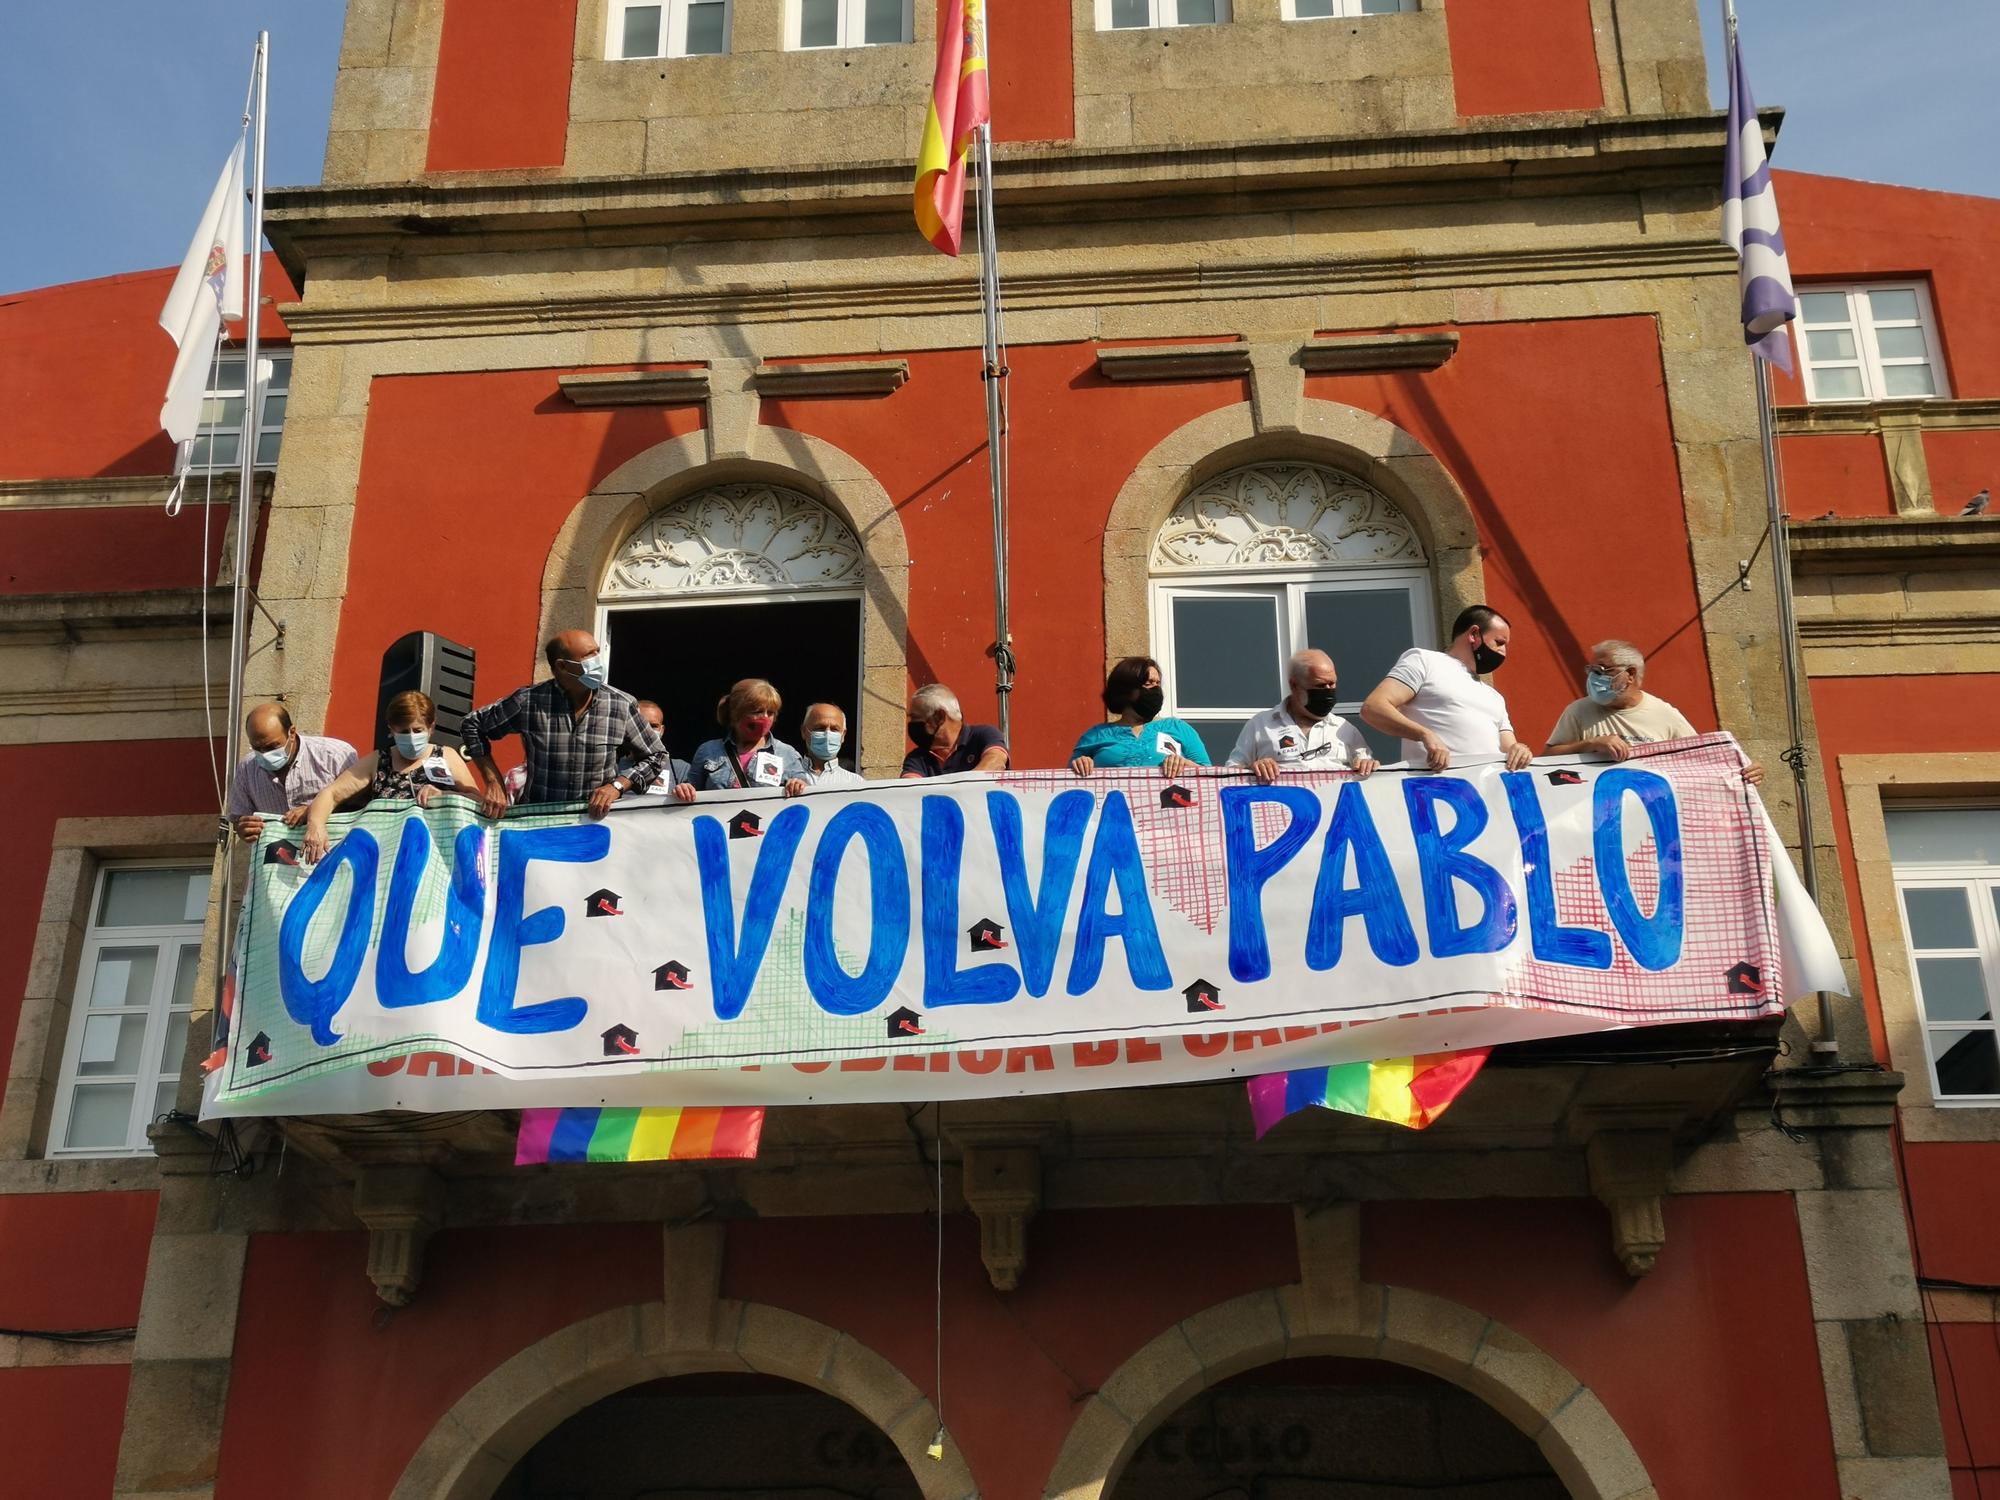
column 1750, row 226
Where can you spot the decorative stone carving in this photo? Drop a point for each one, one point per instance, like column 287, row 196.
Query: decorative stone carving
column 401, row 1205
column 1630, row 1172
column 733, row 538
column 1280, row 515
column 1002, row 1183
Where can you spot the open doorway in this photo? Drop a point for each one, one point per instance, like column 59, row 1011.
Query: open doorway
column 685, row 657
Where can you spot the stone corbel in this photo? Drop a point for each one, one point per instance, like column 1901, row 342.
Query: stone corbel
column 402, row 1205
column 1001, row 1177
column 1630, row 1172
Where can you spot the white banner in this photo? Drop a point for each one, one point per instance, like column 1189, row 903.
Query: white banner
column 1030, row 932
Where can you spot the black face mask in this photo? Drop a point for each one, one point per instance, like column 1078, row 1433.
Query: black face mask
column 1148, row 702
column 1319, row 701
column 1485, row 659
column 920, row 733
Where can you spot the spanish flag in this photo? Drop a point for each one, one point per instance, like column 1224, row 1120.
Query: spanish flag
column 959, row 106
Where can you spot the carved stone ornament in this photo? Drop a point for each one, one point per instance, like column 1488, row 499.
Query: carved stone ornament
column 1285, row 516
column 734, row 538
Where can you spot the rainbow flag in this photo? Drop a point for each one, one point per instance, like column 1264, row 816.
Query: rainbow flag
column 1410, row 1091
column 637, row 1134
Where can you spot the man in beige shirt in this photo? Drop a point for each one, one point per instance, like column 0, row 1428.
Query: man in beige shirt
column 1617, row 713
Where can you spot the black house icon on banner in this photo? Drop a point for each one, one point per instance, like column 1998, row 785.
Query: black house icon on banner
column 984, row 935
column 1202, row 996
column 281, row 853
column 903, row 1022
column 746, row 825
column 1565, row 778
column 602, row 904
column 621, row 1041
column 1746, row 979
column 671, row 976
column 1176, row 796
column 259, row 1051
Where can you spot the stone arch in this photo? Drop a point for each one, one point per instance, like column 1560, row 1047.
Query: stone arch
column 1564, row 1417
column 478, row 1441
column 666, row 472
column 1341, row 437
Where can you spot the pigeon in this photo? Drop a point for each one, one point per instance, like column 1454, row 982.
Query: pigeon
column 1976, row 506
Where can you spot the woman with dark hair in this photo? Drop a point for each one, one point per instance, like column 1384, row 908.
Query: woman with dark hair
column 745, row 754
column 412, row 769
column 1138, row 736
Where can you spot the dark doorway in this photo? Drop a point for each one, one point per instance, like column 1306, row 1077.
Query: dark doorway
column 1337, row 1429
column 713, row 1437
column 685, row 657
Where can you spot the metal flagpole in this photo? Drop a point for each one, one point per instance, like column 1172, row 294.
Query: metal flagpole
column 253, row 393
column 1795, row 754
column 994, row 374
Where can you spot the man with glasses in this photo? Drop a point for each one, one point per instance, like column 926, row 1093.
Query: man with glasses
column 1303, row 733
column 574, row 727
column 1616, row 712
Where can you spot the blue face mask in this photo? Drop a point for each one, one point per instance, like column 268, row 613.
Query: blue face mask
column 413, row 743
column 1602, row 687
column 278, row 759
column 590, row 671
column 825, row 743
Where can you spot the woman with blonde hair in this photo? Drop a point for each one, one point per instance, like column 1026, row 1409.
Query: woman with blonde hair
column 411, row 769
column 745, row 754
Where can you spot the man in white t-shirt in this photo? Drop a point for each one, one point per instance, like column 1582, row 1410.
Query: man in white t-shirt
column 1303, row 733
column 1616, row 712
column 1435, row 701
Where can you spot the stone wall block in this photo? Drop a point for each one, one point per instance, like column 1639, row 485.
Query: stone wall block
column 1432, row 1334
column 1858, row 1255
column 947, row 1475
column 871, row 1385
column 1236, row 1335
column 1899, row 1399
column 782, row 1343
column 188, row 1310
column 1098, row 1427
column 173, row 1427
column 1521, row 1382
column 1894, row 1479
column 1158, row 1378
column 605, row 148
column 1589, row 1436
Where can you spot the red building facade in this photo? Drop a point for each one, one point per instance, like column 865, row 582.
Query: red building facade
column 651, row 294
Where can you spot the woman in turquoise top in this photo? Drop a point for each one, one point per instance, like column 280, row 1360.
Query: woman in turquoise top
column 1138, row 736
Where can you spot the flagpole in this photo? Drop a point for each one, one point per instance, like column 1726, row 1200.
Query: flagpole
column 994, row 374
column 1795, row 754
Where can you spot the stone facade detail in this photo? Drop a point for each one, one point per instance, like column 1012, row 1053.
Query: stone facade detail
column 1284, row 516
column 736, row 537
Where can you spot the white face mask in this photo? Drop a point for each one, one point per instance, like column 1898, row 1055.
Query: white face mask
column 278, row 759
column 590, row 671
column 412, row 742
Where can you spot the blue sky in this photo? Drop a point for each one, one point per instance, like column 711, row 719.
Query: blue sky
column 117, row 114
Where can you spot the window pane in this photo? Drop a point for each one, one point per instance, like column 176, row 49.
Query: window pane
column 1908, row 380
column 1196, row 12
column 1966, row 1062
column 1306, row 10
column 1901, row 343
column 1225, row 653
column 163, row 1098
column 1830, row 343
column 1945, row 836
column 1130, row 13
column 1380, row 7
column 100, row 1117
column 225, row 449
column 884, row 22
column 1953, row 989
column 123, row 976
column 642, row 32
column 184, row 972
column 1940, row 918
column 1218, row 736
column 819, row 23
column 1363, row 630
column 267, row 446
column 153, row 898
column 705, row 27
column 281, row 375
column 111, row 1044
column 175, row 1046
column 1893, row 307
column 274, row 412
column 1823, row 307
column 1837, row 385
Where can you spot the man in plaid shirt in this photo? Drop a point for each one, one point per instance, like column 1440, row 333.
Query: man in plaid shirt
column 575, row 727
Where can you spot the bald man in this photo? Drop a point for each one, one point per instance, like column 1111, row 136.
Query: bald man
column 1303, row 733
column 283, row 772
column 574, row 726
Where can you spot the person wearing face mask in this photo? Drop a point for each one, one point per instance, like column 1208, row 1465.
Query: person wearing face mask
column 1616, row 712
column 943, row 742
column 745, row 754
column 1303, row 733
column 661, row 785
column 1435, row 701
column 283, row 772
column 825, row 731
column 1138, row 736
column 574, row 727
column 413, row 768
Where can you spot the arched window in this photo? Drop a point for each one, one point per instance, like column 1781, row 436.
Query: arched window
column 738, row 580
column 1269, row 559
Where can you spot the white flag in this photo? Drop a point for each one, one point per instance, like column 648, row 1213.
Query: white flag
column 208, row 289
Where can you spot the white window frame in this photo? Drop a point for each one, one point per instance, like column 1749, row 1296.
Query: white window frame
column 1343, row 10
column 1291, row 587
column 169, row 939
column 673, row 28
column 226, row 383
column 1868, row 352
column 1162, row 14
column 1980, row 882
column 853, row 27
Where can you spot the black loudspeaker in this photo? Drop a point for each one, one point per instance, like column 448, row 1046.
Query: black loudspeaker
column 427, row 663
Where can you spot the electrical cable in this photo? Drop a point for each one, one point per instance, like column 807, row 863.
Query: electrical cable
column 73, row 1335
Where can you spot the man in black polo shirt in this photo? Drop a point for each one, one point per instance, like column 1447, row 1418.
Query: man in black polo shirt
column 945, row 742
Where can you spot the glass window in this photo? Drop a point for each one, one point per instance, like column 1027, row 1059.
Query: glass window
column 1309, row 10
column 218, row 444
column 129, row 1019
column 1947, row 864
column 1869, row 343
column 1136, row 15
column 666, row 28
column 850, row 23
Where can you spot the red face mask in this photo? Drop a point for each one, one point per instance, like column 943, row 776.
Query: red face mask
column 754, row 728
